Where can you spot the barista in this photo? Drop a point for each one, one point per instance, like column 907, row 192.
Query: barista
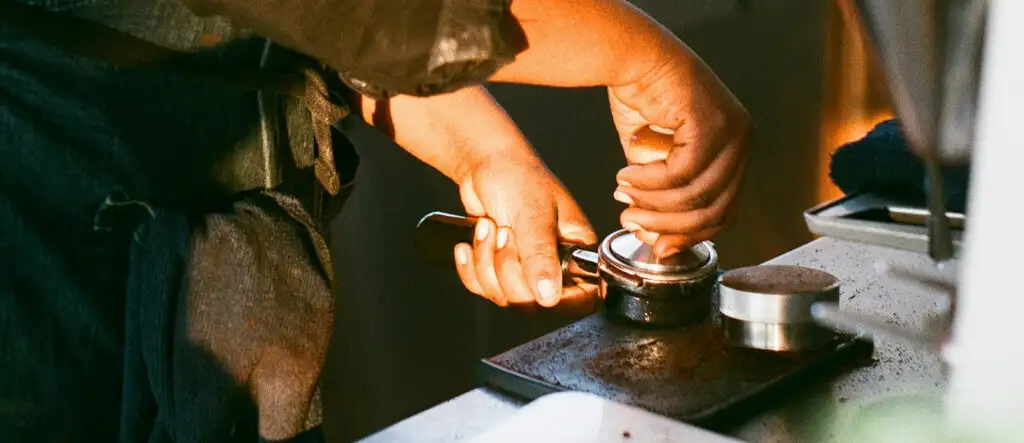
column 80, row 363
column 652, row 79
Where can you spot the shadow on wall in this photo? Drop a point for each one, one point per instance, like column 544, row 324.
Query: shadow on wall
column 406, row 337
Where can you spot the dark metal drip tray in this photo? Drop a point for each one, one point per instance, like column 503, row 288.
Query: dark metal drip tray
column 688, row 373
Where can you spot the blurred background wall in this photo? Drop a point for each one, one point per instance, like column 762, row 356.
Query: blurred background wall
column 407, row 337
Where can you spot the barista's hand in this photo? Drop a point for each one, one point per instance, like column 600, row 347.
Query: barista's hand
column 522, row 207
column 524, row 212
column 690, row 196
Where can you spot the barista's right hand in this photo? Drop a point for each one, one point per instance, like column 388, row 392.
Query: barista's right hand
column 523, row 213
column 521, row 206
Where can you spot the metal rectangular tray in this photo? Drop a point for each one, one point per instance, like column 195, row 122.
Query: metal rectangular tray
column 688, row 373
column 866, row 218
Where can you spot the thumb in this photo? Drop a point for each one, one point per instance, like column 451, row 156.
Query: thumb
column 573, row 226
column 536, row 238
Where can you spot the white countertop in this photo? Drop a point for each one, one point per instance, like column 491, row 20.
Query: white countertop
column 899, row 371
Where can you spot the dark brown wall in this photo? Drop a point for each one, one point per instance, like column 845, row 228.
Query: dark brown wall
column 407, row 337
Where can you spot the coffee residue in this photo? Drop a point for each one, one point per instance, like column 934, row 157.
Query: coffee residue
column 779, row 279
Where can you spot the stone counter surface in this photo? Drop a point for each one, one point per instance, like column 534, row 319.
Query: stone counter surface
column 899, row 372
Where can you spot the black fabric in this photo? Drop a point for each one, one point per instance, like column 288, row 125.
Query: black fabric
column 225, row 312
column 388, row 47
column 229, row 300
column 87, row 39
column 882, row 163
column 380, row 48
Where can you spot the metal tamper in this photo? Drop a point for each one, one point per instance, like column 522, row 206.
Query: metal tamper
column 636, row 285
column 769, row 307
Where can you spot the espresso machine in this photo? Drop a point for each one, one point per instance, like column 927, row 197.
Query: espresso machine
column 955, row 70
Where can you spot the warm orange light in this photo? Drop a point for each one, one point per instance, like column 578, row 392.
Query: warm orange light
column 843, row 134
column 856, row 99
column 855, row 130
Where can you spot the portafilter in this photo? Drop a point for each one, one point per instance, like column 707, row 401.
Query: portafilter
column 636, row 284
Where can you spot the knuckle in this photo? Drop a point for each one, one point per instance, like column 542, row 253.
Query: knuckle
column 694, row 201
column 494, row 296
column 538, row 257
column 717, row 220
column 707, row 218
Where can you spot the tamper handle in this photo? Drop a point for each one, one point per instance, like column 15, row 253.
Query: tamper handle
column 437, row 233
column 648, row 145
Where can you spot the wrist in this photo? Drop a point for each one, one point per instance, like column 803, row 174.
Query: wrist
column 493, row 155
column 657, row 50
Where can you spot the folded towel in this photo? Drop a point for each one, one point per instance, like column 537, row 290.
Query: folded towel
column 882, row 163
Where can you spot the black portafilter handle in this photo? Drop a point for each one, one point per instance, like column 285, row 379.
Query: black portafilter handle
column 437, row 233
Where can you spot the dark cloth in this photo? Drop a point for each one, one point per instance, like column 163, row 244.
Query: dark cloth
column 223, row 306
column 380, row 47
column 387, row 47
column 882, row 163
column 226, row 314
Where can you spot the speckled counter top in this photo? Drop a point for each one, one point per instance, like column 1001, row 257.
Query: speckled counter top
column 813, row 414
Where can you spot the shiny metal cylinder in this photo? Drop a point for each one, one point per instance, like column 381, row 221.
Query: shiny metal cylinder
column 769, row 307
column 683, row 303
column 656, row 292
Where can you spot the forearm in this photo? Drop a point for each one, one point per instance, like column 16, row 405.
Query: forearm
column 574, row 43
column 449, row 132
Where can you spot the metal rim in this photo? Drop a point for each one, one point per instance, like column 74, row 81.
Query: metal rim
column 656, row 273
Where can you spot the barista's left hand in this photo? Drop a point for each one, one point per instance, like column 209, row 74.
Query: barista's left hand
column 690, row 196
column 523, row 212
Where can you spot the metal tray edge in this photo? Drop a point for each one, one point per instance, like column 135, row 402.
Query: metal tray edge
column 912, row 238
column 527, row 388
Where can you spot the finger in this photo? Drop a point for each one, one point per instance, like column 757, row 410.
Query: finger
column 538, row 254
column 687, row 198
column 510, row 273
column 671, row 244
column 573, row 226
column 688, row 222
column 647, row 237
column 698, row 194
column 471, row 201
column 680, row 169
column 580, row 300
column 483, row 259
column 627, row 120
column 640, row 233
column 465, row 269
column 713, row 178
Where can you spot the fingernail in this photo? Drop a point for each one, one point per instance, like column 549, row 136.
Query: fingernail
column 547, row 290
column 460, row 256
column 502, row 238
column 624, row 183
column 481, row 229
column 632, row 227
column 628, row 168
column 662, row 130
column 623, row 197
